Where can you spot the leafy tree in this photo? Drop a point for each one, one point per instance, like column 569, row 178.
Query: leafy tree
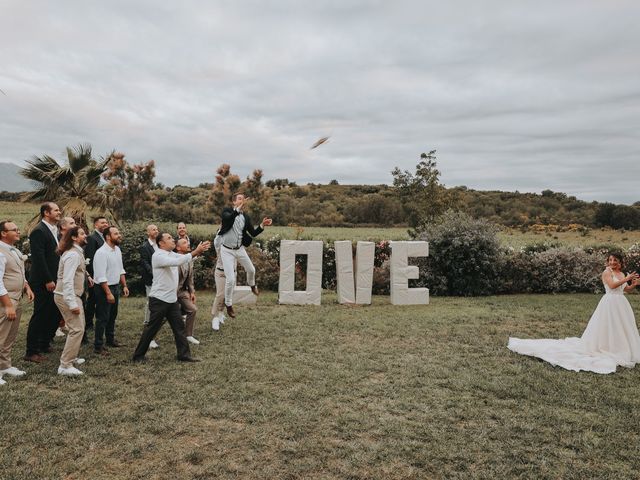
column 75, row 187
column 129, row 186
column 226, row 184
column 423, row 197
column 280, row 183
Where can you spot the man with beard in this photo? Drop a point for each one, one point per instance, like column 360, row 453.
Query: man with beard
column 94, row 242
column 43, row 242
column 181, row 230
column 109, row 277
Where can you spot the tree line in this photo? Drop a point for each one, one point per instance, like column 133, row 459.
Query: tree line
column 129, row 192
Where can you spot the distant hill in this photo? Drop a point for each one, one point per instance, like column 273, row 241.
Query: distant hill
column 11, row 180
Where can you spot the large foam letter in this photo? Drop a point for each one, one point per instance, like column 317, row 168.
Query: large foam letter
column 401, row 272
column 242, row 295
column 358, row 290
column 344, row 272
column 286, row 288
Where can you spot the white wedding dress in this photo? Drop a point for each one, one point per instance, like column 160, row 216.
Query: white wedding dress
column 610, row 339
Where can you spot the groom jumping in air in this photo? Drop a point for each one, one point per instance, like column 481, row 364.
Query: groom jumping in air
column 237, row 232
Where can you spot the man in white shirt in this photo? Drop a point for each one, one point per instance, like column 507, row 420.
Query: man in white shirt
column 12, row 286
column 163, row 297
column 147, row 249
column 109, row 277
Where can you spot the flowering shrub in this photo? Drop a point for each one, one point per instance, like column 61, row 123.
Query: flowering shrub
column 465, row 259
column 556, row 270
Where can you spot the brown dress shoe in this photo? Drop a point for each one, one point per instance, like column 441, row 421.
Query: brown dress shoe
column 35, row 358
column 101, row 351
column 255, row 290
column 230, row 311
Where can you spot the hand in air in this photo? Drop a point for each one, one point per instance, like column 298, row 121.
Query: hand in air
column 202, row 247
column 266, row 221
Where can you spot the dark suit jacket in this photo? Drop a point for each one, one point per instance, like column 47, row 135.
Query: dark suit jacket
column 146, row 252
column 248, row 232
column 44, row 259
column 94, row 242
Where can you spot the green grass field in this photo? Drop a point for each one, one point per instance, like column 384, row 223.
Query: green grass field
column 332, row 391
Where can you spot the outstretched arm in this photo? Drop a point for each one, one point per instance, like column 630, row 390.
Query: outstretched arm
column 610, row 280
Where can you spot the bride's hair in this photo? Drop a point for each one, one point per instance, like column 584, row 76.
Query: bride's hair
column 617, row 256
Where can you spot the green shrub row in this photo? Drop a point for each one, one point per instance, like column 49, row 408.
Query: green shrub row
column 465, row 259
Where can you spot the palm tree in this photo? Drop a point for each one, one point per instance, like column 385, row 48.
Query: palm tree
column 75, row 187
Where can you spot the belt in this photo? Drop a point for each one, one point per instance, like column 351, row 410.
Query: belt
column 220, row 269
column 231, row 248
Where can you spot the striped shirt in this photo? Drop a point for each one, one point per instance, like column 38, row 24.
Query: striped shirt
column 233, row 238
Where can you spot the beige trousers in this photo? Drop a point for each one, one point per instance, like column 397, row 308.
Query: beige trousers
column 189, row 309
column 75, row 324
column 218, row 302
column 8, row 334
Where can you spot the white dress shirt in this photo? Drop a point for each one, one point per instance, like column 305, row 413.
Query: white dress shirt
column 53, row 229
column 3, row 262
column 165, row 274
column 71, row 259
column 107, row 265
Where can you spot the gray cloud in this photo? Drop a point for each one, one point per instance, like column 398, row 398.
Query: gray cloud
column 513, row 96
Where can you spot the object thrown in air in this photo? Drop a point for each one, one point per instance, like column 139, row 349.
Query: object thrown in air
column 319, row 142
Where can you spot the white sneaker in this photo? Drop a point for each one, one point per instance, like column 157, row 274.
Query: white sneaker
column 153, row 344
column 12, row 371
column 2, row 382
column 193, row 340
column 69, row 371
column 59, row 333
column 215, row 323
column 79, row 361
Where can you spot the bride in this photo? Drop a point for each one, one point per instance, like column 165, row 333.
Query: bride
column 610, row 339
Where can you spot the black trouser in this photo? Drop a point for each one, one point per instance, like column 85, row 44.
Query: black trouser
column 106, row 314
column 44, row 321
column 160, row 310
column 89, row 309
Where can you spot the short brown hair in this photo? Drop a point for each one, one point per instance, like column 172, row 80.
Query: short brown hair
column 46, row 207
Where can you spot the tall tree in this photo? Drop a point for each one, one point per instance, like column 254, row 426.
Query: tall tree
column 224, row 187
column 423, row 197
column 75, row 187
column 129, row 185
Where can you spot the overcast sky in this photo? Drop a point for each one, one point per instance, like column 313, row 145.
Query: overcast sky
column 524, row 95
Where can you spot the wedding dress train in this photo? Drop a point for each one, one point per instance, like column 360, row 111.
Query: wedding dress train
column 610, row 339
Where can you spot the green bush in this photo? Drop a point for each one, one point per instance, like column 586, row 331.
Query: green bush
column 463, row 255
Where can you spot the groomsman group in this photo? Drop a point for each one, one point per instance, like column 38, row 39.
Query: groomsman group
column 76, row 277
